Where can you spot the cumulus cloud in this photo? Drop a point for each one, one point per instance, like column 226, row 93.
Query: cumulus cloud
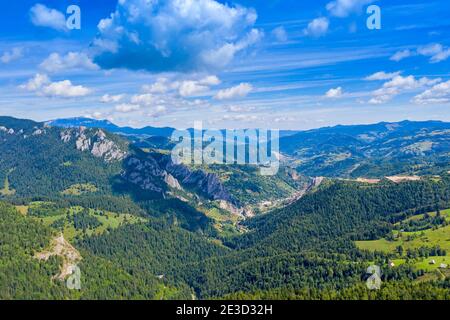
column 185, row 88
column 65, row 89
column 440, row 93
column 127, row 107
column 398, row 85
column 42, row 85
column 144, row 99
column 382, row 76
column 10, row 56
column 192, row 88
column 343, row 8
column 318, row 27
column 42, row 16
column 155, row 105
column 72, row 60
column 334, row 93
column 174, row 35
column 111, row 98
column 437, row 52
column 400, row 55
column 238, row 91
column 162, row 85
column 35, row 83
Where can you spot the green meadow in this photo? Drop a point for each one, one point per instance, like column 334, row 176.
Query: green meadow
column 63, row 219
column 434, row 237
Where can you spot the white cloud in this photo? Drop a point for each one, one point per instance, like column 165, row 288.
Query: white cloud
column 343, row 8
column 280, row 34
column 185, row 88
column 440, row 93
column 46, row 17
column 42, row 85
column 174, row 35
column 399, row 85
column 382, row 76
column 238, row 91
column 209, row 81
column 318, row 27
column 334, row 93
column 72, row 60
column 9, row 56
column 197, row 87
column 162, row 85
column 111, row 98
column 191, row 88
column 437, row 52
column 240, row 117
column 400, row 55
column 127, row 107
column 144, row 99
column 65, row 89
column 36, row 83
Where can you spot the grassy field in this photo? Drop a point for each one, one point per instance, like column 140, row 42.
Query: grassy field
column 79, row 189
column 445, row 213
column 414, row 240
column 107, row 220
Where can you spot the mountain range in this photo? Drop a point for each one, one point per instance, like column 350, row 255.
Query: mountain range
column 142, row 227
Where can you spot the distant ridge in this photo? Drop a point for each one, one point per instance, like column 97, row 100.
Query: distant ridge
column 111, row 127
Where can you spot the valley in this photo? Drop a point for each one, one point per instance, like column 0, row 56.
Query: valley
column 142, row 227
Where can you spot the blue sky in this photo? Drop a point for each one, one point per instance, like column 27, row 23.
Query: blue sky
column 285, row 64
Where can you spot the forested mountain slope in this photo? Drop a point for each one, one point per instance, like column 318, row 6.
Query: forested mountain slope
column 371, row 150
column 146, row 228
column 306, row 246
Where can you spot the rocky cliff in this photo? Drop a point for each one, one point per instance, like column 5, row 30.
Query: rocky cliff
column 95, row 141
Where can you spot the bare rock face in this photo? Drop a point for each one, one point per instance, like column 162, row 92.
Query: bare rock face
column 108, row 150
column 101, row 135
column 172, row 182
column 83, row 143
column 66, row 135
column 38, row 132
column 97, row 143
column 208, row 184
column 144, row 173
column 6, row 130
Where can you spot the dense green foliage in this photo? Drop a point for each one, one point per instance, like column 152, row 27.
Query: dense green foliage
column 250, row 188
column 43, row 165
column 24, row 277
column 371, row 150
column 309, row 244
column 172, row 249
